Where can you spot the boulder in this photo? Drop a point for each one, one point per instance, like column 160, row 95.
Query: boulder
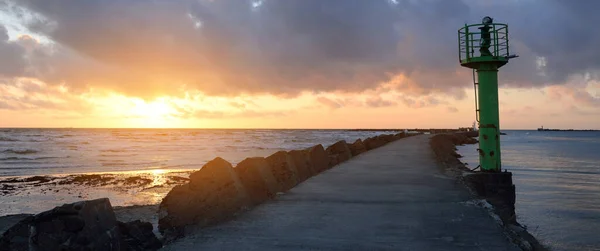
column 338, row 153
column 318, row 159
column 387, row 138
column 373, row 142
column 256, row 177
column 84, row 225
column 283, row 169
column 357, row 147
column 398, row 136
column 138, row 236
column 302, row 163
column 214, row 193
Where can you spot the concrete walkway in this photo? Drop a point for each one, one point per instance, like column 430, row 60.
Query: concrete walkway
column 390, row 198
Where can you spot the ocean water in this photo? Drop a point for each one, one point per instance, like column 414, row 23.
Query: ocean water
column 557, row 176
column 28, row 152
column 44, row 168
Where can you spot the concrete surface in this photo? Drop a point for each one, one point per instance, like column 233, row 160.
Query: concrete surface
column 390, row 198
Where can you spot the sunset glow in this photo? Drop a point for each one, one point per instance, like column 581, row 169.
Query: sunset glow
column 189, row 66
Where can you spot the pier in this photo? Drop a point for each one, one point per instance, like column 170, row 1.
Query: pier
column 391, row 198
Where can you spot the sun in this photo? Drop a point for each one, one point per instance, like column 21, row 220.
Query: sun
column 154, row 114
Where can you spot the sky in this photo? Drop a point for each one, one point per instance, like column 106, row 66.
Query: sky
column 290, row 63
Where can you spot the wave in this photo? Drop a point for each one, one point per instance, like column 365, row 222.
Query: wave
column 118, row 155
column 113, row 150
column 7, row 139
column 35, row 158
column 20, row 151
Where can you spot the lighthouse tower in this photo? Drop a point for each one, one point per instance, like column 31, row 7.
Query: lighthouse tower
column 484, row 48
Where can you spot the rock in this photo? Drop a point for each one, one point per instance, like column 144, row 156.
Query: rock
column 373, row 142
column 9, row 220
column 139, row 236
column 398, row 136
column 302, row 163
column 338, row 153
column 283, row 169
column 386, row 138
column 318, row 159
column 255, row 174
column 357, row 147
column 214, row 193
column 84, row 225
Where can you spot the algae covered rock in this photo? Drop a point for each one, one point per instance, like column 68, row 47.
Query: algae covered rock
column 139, row 236
column 84, row 225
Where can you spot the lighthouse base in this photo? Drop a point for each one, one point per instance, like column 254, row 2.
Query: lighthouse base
column 498, row 189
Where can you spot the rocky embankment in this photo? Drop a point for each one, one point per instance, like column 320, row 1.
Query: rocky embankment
column 215, row 193
column 444, row 148
column 219, row 191
column 85, row 225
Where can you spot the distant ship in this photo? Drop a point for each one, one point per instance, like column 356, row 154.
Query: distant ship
column 542, row 129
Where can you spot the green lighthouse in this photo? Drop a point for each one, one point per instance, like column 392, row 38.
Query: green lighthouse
column 484, row 48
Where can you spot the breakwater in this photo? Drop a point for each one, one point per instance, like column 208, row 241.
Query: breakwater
column 215, row 193
column 502, row 200
column 219, row 191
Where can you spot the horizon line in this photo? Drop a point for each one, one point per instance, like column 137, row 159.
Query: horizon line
column 258, row 128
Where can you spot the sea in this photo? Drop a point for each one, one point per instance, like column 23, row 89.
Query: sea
column 557, row 179
column 28, row 152
column 44, row 168
column 557, row 174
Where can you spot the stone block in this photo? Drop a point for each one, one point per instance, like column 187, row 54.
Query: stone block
column 302, row 163
column 214, row 193
column 283, row 169
column 256, row 177
column 319, row 159
column 338, row 153
column 357, row 147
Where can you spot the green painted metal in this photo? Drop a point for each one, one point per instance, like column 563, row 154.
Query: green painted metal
column 484, row 48
column 489, row 118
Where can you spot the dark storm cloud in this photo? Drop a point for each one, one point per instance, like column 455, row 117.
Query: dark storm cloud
column 146, row 48
column 12, row 62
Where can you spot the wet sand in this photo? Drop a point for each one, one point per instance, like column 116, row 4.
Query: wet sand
column 31, row 195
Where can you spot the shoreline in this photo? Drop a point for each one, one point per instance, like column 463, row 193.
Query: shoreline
column 34, row 194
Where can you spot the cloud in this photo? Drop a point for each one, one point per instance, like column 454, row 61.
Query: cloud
column 238, row 105
column 333, row 104
column 421, row 102
column 29, row 94
column 379, row 102
column 151, row 48
column 207, row 114
column 451, row 109
column 12, row 63
column 143, row 48
column 573, row 95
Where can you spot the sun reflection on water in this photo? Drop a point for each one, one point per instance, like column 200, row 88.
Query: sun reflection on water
column 158, row 177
